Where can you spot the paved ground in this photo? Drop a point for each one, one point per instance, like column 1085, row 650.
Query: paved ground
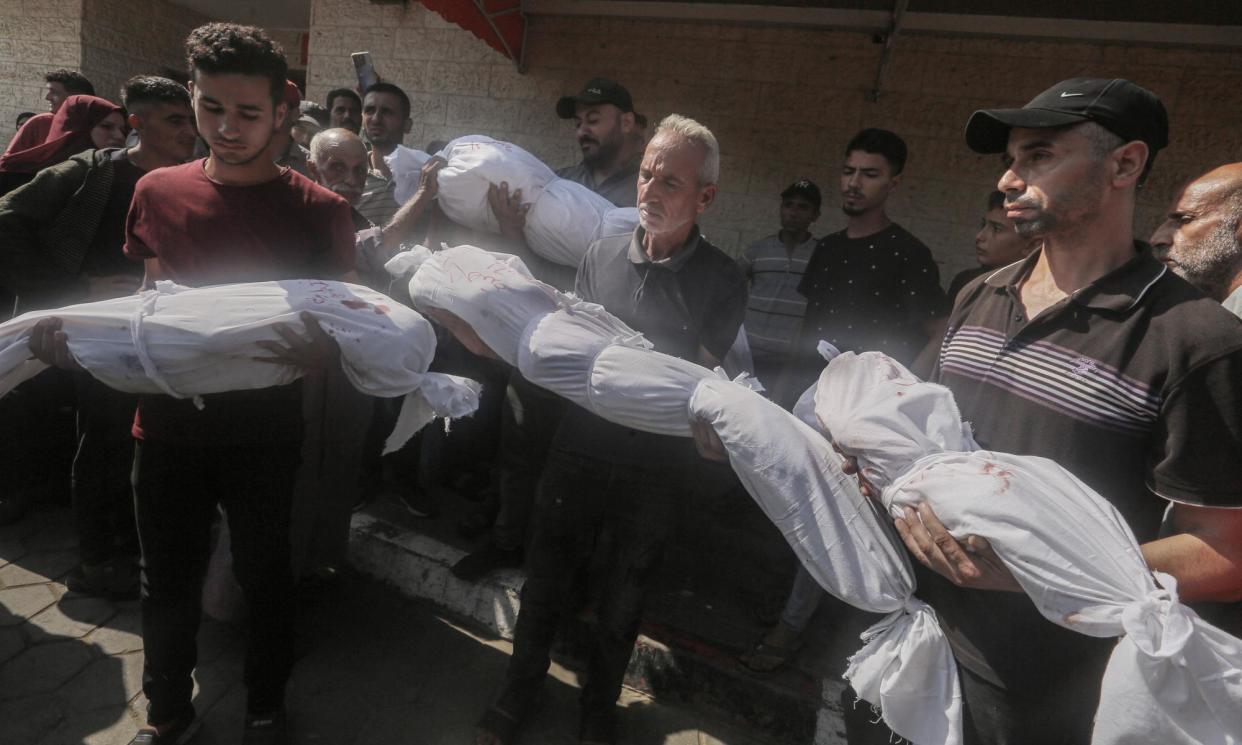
column 374, row 667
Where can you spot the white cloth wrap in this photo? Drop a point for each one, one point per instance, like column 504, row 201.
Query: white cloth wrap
column 406, row 166
column 1173, row 678
column 188, row 342
column 590, row 357
column 493, row 293
column 474, row 164
column 645, row 389
column 558, row 350
column 618, row 221
column 564, row 221
column 905, row 667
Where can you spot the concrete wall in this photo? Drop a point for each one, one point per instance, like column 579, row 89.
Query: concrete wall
column 111, row 50
column 782, row 101
column 36, row 36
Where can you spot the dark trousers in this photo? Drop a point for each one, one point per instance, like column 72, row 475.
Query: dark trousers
column 528, row 422
column 1061, row 714
column 176, row 490
column 103, row 500
column 578, row 498
column 37, row 438
column 336, row 418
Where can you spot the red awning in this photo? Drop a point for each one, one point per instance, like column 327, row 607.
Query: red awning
column 500, row 23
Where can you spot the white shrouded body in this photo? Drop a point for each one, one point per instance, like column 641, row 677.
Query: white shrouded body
column 564, row 217
column 565, row 221
column 188, row 342
column 905, row 668
column 474, row 164
column 1172, row 678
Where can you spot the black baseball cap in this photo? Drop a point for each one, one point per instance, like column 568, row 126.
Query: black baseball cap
column 598, row 90
column 806, row 189
column 1127, row 110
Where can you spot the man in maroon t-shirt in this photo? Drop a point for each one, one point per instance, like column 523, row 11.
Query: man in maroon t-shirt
column 232, row 217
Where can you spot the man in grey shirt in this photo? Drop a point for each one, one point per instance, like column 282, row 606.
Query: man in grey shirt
column 688, row 298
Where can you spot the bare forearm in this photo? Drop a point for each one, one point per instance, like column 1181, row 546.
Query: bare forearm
column 401, row 226
column 1204, row 568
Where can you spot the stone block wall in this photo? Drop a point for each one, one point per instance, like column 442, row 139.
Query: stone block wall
column 783, row 101
column 36, row 36
column 113, row 48
column 107, row 40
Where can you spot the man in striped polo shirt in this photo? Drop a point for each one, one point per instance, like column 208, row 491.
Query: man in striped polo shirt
column 1092, row 353
column 774, row 267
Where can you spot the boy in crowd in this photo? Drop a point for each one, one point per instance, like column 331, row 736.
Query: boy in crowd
column 774, row 268
column 997, row 244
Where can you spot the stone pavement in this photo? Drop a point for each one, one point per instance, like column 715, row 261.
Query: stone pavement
column 373, row 667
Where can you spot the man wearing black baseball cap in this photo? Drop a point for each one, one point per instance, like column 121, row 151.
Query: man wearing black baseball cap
column 1091, row 353
column 604, row 121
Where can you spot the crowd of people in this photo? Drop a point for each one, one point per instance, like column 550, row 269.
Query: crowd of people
column 1074, row 340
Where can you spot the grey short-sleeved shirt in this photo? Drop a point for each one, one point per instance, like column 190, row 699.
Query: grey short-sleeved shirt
column 621, row 188
column 696, row 298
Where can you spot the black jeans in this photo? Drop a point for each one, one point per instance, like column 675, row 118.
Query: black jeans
column 176, row 490
column 578, row 498
column 103, row 499
column 37, row 437
column 528, row 422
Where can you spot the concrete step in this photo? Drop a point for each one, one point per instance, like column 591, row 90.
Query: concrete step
column 669, row 663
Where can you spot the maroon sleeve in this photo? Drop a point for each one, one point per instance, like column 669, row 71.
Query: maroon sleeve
column 340, row 257
column 136, row 227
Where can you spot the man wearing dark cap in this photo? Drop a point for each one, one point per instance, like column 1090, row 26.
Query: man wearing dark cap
column 774, row 267
column 1092, row 353
column 604, row 123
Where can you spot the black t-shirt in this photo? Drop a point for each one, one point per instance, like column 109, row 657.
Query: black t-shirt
column 695, row 298
column 963, row 278
column 105, row 256
column 871, row 294
column 1133, row 384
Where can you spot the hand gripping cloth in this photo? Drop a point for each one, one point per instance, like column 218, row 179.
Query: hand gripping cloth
column 1172, row 678
column 905, row 667
column 186, row 342
column 474, row 164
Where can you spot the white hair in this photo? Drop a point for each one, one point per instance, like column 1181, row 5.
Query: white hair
column 326, row 139
column 692, row 131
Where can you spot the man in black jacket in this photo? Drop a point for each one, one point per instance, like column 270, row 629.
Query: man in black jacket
column 62, row 235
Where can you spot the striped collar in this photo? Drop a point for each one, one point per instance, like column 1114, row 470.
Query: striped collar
column 1119, row 290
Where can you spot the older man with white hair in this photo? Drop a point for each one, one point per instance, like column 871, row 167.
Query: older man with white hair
column 667, row 281
column 339, row 162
